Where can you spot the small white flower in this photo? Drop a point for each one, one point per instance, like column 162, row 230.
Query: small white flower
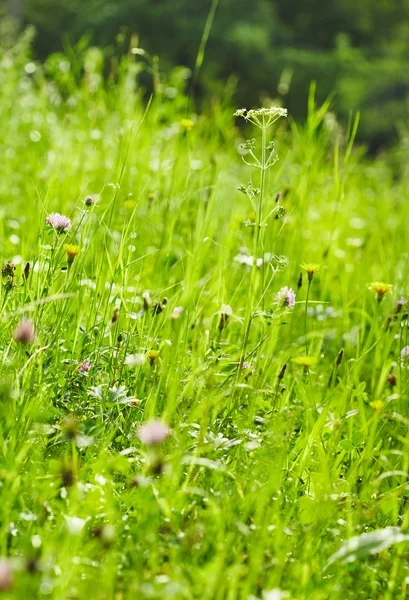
column 75, row 525
column 135, row 360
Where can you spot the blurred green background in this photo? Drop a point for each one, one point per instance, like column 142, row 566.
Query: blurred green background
column 357, row 50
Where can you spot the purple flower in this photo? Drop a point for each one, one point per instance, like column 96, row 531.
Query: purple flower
column 24, row 333
column 85, row 367
column 177, row 311
column 60, row 223
column 285, row 298
column 405, row 352
column 153, row 433
column 6, row 576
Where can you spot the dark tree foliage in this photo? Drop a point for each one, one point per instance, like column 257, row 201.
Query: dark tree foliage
column 359, row 50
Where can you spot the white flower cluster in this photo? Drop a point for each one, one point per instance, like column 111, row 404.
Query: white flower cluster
column 263, row 117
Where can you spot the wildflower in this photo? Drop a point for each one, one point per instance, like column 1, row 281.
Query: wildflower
column 377, row 404
column 311, row 269
column 135, row 360
column 186, row 124
column 153, row 433
column 71, row 250
column 85, row 366
column 381, row 289
column 404, row 353
column 177, row 311
column 6, row 575
column 24, row 333
column 60, row 223
column 225, row 313
column 262, row 117
column 285, row 298
column 153, row 355
column 305, row 360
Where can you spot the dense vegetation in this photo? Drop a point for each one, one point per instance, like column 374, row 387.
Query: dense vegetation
column 359, row 50
column 169, row 288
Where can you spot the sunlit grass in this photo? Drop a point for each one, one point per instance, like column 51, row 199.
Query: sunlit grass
column 287, row 416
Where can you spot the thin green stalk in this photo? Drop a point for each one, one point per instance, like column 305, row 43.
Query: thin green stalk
column 306, row 315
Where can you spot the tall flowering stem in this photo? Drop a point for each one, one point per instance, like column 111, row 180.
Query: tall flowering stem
column 311, row 269
column 261, row 118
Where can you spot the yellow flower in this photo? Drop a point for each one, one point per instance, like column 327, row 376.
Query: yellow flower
column 380, row 289
column 311, row 269
column 153, row 355
column 305, row 360
column 377, row 404
column 71, row 250
column 186, row 124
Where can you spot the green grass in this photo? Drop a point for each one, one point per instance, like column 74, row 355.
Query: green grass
column 264, row 476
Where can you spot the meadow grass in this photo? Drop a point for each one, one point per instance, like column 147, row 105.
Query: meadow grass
column 287, row 424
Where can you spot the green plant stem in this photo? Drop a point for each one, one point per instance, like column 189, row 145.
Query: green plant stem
column 306, row 315
column 258, row 241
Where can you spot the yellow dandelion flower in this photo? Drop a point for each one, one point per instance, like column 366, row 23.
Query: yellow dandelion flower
column 311, row 269
column 377, row 404
column 186, row 124
column 305, row 360
column 71, row 250
column 153, row 355
column 380, row 289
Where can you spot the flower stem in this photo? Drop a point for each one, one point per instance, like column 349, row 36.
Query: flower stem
column 306, row 315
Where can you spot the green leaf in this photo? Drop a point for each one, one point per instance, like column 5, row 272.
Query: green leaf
column 367, row 544
column 358, row 438
column 346, row 445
